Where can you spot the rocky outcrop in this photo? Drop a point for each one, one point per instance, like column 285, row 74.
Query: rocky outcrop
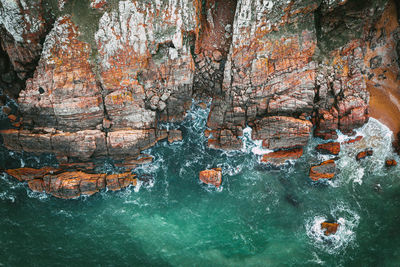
column 364, row 154
column 330, row 228
column 103, row 85
column 383, row 72
column 325, row 170
column 27, row 174
column 144, row 77
column 332, row 148
column 213, row 177
column 390, row 163
column 22, row 26
column 279, row 71
column 71, row 184
column 278, row 158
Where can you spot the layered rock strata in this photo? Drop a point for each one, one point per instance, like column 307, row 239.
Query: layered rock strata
column 71, row 184
column 287, row 69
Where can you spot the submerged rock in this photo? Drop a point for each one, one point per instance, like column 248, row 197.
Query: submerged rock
column 332, row 148
column 281, row 156
column 325, row 170
column 390, row 163
column 364, row 154
column 213, row 176
column 330, row 228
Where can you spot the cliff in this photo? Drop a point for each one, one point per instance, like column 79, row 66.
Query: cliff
column 101, row 76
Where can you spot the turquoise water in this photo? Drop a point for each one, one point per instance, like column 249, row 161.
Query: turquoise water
column 260, row 216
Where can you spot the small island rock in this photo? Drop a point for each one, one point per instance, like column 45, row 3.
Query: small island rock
column 326, row 170
column 330, row 228
column 213, row 176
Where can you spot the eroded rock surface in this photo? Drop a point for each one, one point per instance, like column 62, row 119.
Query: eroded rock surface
column 67, row 185
column 325, row 170
column 283, row 68
column 213, row 177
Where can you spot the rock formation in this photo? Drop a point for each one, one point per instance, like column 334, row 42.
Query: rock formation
column 66, row 185
column 330, row 228
column 325, row 170
column 213, row 177
column 332, row 148
column 364, row 154
column 107, row 79
column 280, row 157
column 390, row 163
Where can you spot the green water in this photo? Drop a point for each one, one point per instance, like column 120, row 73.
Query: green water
column 259, row 217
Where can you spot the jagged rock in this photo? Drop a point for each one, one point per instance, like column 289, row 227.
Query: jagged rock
column 103, row 94
column 330, row 228
column 213, row 176
column 64, row 184
column 332, row 148
column 281, row 156
column 325, row 170
column 390, row 163
column 27, row 174
column 282, row 132
column 364, row 154
column 22, row 26
column 118, row 181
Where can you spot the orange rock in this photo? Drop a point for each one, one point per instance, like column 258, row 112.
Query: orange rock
column 12, row 117
column 326, row 170
column 73, row 184
column 26, row 174
column 390, row 162
column 358, row 138
column 330, row 228
column 364, row 154
column 281, row 156
column 332, row 148
column 213, row 176
column 17, row 124
column 36, row 185
column 116, row 182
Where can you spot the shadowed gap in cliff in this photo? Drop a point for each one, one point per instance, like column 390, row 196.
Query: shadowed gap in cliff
column 213, row 46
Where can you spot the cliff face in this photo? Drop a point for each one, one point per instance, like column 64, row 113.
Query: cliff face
column 111, row 71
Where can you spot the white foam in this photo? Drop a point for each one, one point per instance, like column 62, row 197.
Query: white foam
column 376, row 136
column 252, row 146
column 333, row 244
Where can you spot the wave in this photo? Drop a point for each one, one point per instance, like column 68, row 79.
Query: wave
column 335, row 243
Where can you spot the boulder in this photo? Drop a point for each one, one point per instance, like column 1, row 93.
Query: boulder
column 213, row 176
column 281, row 156
column 390, row 163
column 364, row 154
column 330, row 228
column 325, row 170
column 351, row 141
column 332, row 148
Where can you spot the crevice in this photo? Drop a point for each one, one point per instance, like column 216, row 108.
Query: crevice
column 212, row 47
